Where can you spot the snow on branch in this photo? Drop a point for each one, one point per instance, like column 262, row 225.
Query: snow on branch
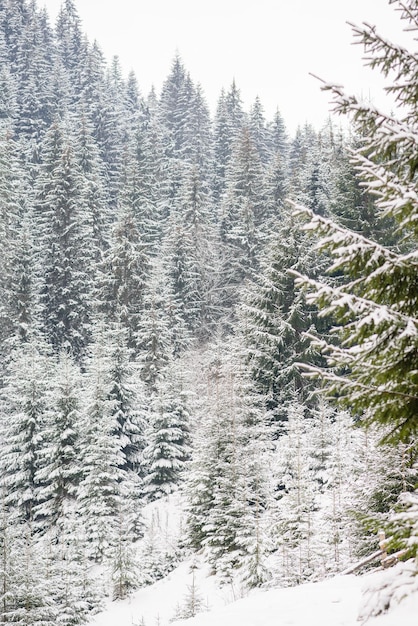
column 393, row 55
column 340, row 234
column 372, row 263
column 338, row 297
column 409, row 12
column 342, row 382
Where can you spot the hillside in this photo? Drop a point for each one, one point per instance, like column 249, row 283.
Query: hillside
column 334, row 602
column 192, row 590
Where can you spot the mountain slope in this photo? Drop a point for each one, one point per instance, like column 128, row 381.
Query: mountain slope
column 334, row 602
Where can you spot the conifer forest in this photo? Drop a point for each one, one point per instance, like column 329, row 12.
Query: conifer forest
column 198, row 303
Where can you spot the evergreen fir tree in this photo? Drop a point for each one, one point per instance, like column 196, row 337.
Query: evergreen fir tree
column 189, row 248
column 278, row 134
column 93, row 193
column 25, row 404
column 229, row 121
column 375, row 308
column 24, row 287
column 10, row 217
column 69, row 38
column 274, row 317
column 228, row 488
column 175, row 99
column 75, row 589
column 66, row 250
column 168, row 440
column 60, row 468
column 125, row 571
column 296, row 506
column 198, row 136
column 141, row 185
column 258, row 129
column 124, row 274
column 243, row 226
column 26, row 595
column 157, row 336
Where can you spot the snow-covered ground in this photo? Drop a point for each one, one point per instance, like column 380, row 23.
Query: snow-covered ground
column 339, row 601
column 335, row 602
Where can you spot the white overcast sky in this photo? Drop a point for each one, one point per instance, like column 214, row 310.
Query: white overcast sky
column 268, row 46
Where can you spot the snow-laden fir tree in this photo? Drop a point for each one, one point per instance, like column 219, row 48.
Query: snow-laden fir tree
column 128, row 405
column 259, row 131
column 228, row 489
column 333, row 444
column 109, row 488
column 10, row 216
column 34, row 67
column 373, row 366
column 141, row 185
column 123, row 275
column 162, row 331
column 93, row 193
column 26, row 401
column 229, row 120
column 244, row 222
column 168, row 447
column 24, row 284
column 66, row 248
column 189, row 249
column 60, row 467
column 26, row 590
column 293, row 528
column 75, row 587
column 273, row 317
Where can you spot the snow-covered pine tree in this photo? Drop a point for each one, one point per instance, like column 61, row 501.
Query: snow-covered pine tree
column 60, row 468
column 10, row 214
column 168, row 447
column 229, row 120
column 259, row 131
column 161, row 329
column 75, row 587
column 228, row 489
column 124, row 565
column 123, row 275
column 93, row 192
column 141, row 183
column 69, row 37
column 274, row 316
column 333, row 451
column 304, row 142
column 175, row 99
column 26, row 593
column 24, row 284
column 316, row 174
column 126, row 394
column 279, row 140
column 198, row 136
column 109, row 488
column 33, row 67
column 66, row 248
column 374, row 365
column 189, row 249
column 90, row 81
column 25, row 403
column 293, row 528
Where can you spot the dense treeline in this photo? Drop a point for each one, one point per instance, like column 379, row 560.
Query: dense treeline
column 150, row 331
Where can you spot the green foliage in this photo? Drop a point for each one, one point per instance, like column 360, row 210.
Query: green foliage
column 274, row 317
column 374, row 364
column 373, row 292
